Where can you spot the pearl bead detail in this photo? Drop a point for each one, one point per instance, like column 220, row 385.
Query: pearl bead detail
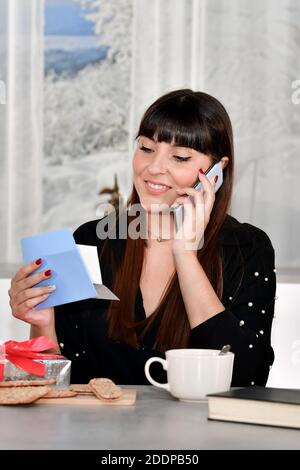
column 263, row 311
column 261, row 332
column 230, row 298
column 250, row 304
column 256, row 274
column 242, row 323
column 61, row 345
column 266, row 279
column 76, row 354
column 252, row 383
column 250, row 346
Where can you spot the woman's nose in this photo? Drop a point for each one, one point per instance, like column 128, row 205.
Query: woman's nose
column 157, row 165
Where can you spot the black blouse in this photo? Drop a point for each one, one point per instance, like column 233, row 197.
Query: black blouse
column 245, row 324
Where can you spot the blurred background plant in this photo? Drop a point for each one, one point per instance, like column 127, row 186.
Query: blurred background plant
column 112, row 197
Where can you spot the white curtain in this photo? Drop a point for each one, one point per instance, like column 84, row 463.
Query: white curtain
column 247, row 55
column 21, row 136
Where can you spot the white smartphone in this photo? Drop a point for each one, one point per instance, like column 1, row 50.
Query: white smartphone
column 214, row 170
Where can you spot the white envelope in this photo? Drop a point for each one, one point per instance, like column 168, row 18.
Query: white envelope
column 89, row 255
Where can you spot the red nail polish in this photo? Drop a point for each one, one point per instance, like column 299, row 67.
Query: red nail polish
column 48, row 273
column 38, row 261
column 201, row 171
column 216, row 178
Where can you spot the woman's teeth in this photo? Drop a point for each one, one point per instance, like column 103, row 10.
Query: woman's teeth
column 157, row 186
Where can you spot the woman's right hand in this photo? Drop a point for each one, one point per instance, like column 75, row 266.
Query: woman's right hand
column 24, row 296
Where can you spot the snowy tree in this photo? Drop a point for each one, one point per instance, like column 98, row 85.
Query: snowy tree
column 112, row 19
column 86, row 113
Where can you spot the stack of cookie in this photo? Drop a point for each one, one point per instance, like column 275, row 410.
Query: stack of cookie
column 26, row 391
column 103, row 389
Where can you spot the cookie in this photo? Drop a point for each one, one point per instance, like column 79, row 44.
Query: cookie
column 22, row 395
column 105, row 389
column 82, row 389
column 57, row 393
column 27, row 383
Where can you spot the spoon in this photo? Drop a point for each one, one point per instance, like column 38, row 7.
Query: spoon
column 224, row 350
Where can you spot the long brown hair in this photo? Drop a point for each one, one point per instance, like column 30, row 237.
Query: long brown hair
column 199, row 121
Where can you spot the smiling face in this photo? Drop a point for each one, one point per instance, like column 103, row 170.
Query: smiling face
column 159, row 168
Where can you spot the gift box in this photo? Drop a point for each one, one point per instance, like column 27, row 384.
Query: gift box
column 25, row 361
column 58, row 369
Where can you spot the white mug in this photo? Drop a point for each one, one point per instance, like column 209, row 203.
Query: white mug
column 194, row 373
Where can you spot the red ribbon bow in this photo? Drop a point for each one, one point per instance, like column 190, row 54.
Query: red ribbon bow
column 22, row 354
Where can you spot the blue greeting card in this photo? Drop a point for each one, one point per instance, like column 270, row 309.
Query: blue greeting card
column 59, row 253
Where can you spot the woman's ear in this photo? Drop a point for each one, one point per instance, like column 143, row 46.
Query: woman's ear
column 224, row 161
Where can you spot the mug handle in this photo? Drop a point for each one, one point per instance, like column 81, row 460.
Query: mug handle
column 164, row 363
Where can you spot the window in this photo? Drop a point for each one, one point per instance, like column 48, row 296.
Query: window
column 86, row 105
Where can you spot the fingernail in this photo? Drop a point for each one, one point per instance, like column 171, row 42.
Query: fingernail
column 45, row 296
column 53, row 287
column 38, row 262
column 216, row 178
column 48, row 273
column 201, row 171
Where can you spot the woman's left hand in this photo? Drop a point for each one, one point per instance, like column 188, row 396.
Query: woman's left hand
column 190, row 236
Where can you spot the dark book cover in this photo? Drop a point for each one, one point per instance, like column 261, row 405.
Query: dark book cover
column 276, row 395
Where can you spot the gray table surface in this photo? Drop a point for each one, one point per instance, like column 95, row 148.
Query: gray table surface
column 156, row 421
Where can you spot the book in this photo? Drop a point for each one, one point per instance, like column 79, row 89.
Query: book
column 257, row 405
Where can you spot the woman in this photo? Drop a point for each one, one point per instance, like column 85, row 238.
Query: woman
column 170, row 296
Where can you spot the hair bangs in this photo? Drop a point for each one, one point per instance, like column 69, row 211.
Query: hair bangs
column 177, row 123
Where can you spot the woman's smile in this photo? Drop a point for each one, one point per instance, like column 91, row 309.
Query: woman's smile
column 155, row 188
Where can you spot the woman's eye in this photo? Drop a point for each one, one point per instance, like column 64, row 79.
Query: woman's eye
column 146, row 149
column 181, row 159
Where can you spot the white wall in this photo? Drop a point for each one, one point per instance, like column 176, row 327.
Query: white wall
column 10, row 327
column 285, row 372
